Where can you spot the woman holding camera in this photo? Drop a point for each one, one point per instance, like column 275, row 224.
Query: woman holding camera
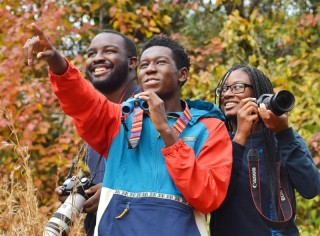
column 270, row 161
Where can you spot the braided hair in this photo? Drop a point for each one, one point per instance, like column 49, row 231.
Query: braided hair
column 262, row 85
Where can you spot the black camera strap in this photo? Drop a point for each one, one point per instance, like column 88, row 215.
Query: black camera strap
column 75, row 160
column 283, row 196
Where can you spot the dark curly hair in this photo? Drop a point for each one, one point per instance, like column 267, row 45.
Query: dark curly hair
column 179, row 54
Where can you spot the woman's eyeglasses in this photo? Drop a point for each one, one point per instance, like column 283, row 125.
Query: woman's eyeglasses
column 235, row 88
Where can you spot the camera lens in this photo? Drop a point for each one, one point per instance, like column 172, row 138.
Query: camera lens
column 278, row 103
column 66, row 214
column 284, row 100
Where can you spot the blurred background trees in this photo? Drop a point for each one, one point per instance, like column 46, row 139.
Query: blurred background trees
column 280, row 37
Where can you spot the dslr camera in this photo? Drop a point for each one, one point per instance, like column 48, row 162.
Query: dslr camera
column 62, row 219
column 131, row 103
column 278, row 103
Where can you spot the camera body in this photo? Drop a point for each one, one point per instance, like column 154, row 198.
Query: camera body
column 62, row 219
column 131, row 103
column 278, row 103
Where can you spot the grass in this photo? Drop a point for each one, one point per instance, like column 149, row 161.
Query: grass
column 20, row 213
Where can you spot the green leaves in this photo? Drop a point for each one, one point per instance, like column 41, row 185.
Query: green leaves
column 284, row 44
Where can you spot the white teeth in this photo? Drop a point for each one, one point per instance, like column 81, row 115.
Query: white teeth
column 228, row 104
column 100, row 69
column 150, row 80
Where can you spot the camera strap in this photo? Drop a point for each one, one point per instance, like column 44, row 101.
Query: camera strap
column 96, row 169
column 136, row 129
column 283, row 196
column 75, row 161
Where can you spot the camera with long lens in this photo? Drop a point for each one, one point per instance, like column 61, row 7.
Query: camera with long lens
column 131, row 103
column 278, row 103
column 68, row 212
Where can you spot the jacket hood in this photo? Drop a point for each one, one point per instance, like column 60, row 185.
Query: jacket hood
column 201, row 109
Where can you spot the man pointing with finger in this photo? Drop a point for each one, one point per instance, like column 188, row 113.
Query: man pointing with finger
column 107, row 69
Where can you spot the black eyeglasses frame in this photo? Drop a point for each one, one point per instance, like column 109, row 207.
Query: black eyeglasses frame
column 219, row 88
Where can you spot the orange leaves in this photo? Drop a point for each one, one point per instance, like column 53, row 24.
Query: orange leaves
column 112, row 11
column 309, row 20
column 138, row 20
column 285, row 46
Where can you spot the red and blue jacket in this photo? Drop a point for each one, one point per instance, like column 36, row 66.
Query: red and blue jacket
column 151, row 189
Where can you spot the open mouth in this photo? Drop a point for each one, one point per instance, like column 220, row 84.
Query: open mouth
column 100, row 70
column 229, row 105
column 151, row 81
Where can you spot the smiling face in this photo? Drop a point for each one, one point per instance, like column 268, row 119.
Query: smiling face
column 230, row 102
column 107, row 66
column 158, row 72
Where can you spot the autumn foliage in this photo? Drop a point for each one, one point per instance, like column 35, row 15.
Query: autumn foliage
column 283, row 43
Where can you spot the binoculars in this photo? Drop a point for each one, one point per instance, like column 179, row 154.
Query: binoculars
column 130, row 104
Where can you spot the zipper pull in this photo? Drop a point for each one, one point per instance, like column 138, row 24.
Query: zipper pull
column 125, row 211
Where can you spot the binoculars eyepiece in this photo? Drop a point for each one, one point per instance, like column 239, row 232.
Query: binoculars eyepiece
column 131, row 103
column 278, row 103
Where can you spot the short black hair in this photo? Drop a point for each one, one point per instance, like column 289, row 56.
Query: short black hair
column 129, row 44
column 179, row 53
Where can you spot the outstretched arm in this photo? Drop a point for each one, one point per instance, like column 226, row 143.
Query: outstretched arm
column 91, row 111
column 41, row 45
